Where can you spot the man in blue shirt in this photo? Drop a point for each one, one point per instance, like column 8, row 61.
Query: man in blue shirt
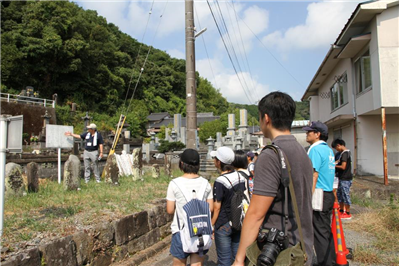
column 323, row 162
column 94, row 143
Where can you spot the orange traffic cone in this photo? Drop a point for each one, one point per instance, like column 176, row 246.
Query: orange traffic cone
column 339, row 238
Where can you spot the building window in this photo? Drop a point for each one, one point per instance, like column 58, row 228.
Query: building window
column 363, row 73
column 339, row 92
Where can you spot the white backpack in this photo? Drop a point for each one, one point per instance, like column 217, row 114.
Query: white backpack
column 196, row 230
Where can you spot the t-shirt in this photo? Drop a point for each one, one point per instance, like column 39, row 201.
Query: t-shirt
column 89, row 145
column 322, row 158
column 174, row 194
column 251, row 167
column 345, row 175
column 268, row 183
column 223, row 192
column 250, row 182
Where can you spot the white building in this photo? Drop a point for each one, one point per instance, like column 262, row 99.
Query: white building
column 355, row 91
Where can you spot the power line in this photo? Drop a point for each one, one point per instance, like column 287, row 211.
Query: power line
column 245, row 52
column 138, row 53
column 228, row 53
column 267, row 49
column 146, row 58
column 234, row 52
column 206, row 50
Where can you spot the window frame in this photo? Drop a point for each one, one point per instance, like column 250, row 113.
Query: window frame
column 360, row 73
column 338, row 99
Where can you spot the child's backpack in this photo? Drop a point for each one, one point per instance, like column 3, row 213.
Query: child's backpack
column 239, row 206
column 197, row 227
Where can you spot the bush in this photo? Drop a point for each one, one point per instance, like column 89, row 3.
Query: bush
column 170, row 146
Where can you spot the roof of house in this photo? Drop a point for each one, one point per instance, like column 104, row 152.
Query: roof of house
column 157, row 116
column 350, row 39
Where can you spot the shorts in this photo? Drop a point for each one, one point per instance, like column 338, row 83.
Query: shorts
column 343, row 192
column 176, row 248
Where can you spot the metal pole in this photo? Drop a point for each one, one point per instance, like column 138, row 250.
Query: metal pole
column 59, row 165
column 384, row 145
column 191, row 100
column 3, row 146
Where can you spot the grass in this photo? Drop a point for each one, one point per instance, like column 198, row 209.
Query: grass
column 54, row 211
column 382, row 222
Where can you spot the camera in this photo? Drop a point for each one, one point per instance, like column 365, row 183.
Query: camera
column 273, row 241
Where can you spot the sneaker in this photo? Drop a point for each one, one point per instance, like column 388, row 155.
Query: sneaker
column 98, row 181
column 86, row 181
column 346, row 216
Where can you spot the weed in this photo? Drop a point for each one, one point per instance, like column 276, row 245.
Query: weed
column 365, row 255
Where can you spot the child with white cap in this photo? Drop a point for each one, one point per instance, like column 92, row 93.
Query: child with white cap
column 227, row 239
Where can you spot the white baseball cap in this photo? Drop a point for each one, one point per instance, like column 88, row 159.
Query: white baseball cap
column 224, row 154
column 92, row 126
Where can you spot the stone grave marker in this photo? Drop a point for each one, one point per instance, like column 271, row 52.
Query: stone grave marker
column 155, row 171
column 32, row 170
column 14, row 183
column 72, row 173
column 111, row 170
column 137, row 164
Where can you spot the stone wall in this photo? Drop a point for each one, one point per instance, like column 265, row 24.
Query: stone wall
column 33, row 120
column 47, row 164
column 106, row 243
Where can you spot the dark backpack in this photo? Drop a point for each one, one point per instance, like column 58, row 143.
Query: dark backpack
column 238, row 206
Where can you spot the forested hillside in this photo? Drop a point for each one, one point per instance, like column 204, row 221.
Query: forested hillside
column 58, row 47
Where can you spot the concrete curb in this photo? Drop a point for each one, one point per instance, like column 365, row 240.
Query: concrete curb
column 145, row 254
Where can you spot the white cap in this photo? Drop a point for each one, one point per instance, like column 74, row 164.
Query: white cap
column 92, row 126
column 224, row 154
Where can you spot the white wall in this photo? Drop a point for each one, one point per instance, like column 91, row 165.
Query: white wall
column 369, row 133
column 314, row 108
column 324, row 111
column 388, row 42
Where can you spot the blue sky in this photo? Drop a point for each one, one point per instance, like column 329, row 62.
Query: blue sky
column 295, row 37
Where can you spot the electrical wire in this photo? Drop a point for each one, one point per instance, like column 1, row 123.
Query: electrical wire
column 245, row 52
column 206, row 49
column 138, row 53
column 146, row 58
column 228, row 52
column 234, row 51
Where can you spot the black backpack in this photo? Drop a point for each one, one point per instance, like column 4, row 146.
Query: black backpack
column 238, row 206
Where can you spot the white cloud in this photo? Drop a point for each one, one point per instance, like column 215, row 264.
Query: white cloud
column 249, row 21
column 227, row 81
column 323, row 23
column 176, row 53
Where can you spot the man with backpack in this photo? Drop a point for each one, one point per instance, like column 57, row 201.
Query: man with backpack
column 266, row 211
column 229, row 205
column 190, row 199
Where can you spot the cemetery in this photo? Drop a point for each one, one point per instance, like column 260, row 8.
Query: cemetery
column 48, row 207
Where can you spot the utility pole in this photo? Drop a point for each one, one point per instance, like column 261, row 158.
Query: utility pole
column 191, row 90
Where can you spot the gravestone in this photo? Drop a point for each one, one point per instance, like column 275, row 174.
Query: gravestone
column 33, row 177
column 71, row 173
column 155, row 171
column 168, row 165
column 111, row 170
column 14, row 183
column 137, row 164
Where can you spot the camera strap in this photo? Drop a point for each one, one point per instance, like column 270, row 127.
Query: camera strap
column 286, row 181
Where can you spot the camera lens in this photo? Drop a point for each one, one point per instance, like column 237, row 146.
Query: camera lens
column 268, row 255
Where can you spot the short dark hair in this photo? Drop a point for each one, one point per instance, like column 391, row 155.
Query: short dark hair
column 225, row 167
column 338, row 142
column 323, row 136
column 188, row 168
column 240, row 159
column 280, row 107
